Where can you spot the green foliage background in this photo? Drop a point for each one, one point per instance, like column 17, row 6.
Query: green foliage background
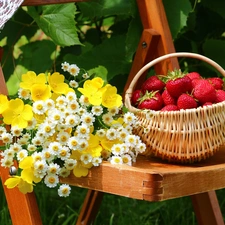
column 106, row 33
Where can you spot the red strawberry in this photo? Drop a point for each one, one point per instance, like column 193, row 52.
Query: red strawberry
column 220, row 96
column 195, row 81
column 135, row 98
column 216, row 82
column 178, row 86
column 207, row 103
column 169, row 108
column 204, row 92
column 167, row 98
column 186, row 101
column 194, row 75
column 152, row 100
column 153, row 83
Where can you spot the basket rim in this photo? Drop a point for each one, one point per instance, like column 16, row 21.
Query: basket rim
column 129, row 91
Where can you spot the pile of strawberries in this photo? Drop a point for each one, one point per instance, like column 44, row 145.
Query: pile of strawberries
column 178, row 91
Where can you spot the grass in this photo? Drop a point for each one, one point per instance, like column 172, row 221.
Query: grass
column 114, row 210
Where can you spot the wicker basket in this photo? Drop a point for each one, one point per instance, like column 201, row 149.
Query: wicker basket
column 181, row 136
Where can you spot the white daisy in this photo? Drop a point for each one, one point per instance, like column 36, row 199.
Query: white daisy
column 141, row 147
column 51, row 180
column 116, row 160
column 37, row 156
column 40, row 166
column 31, row 124
column 48, row 129
column 24, row 93
column 64, row 153
column 111, row 134
column 71, row 96
column 6, row 162
column 72, row 120
column 83, row 130
column 63, row 137
column 64, row 190
column 21, row 154
column 83, row 144
column 86, row 158
column 84, row 100
column 53, row 168
column 101, row 132
column 39, row 107
column 70, row 164
column 55, row 147
column 85, row 76
column 31, row 148
column 63, row 172
column 74, row 70
column 9, row 153
column 50, row 104
column 73, row 84
column 131, row 140
column 97, row 110
column 16, row 131
column 73, row 143
column 61, row 101
column 107, row 118
column 96, row 161
column 130, row 118
column 88, row 119
column 16, row 147
column 65, row 66
column 47, row 155
column 113, row 111
column 117, row 149
column 2, row 130
column 6, row 138
column 73, row 106
column 126, row 159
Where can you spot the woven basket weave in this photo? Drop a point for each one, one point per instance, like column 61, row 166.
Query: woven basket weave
column 181, row 136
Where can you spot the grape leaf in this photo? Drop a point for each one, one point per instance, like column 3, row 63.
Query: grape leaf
column 177, row 14
column 217, row 6
column 57, row 21
column 36, row 56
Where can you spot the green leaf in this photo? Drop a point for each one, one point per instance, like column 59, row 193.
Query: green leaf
column 99, row 71
column 217, row 6
column 111, row 54
column 215, row 49
column 177, row 14
column 36, row 56
column 100, row 8
column 57, row 21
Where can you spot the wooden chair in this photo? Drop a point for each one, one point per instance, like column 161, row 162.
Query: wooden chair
column 148, row 179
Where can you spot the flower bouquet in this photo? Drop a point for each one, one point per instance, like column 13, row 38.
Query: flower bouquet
column 57, row 126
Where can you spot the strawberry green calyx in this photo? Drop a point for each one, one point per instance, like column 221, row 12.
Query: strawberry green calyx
column 173, row 75
column 148, row 95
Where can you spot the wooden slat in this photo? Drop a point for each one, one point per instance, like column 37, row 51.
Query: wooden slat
column 155, row 180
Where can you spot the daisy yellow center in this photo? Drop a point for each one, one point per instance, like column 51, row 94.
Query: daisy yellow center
column 74, row 143
column 63, row 138
column 88, row 120
column 65, row 191
column 125, row 160
column 73, row 106
column 5, row 139
column 39, row 107
column 63, row 153
column 48, row 129
column 51, row 180
column 57, row 117
column 117, row 160
column 83, row 130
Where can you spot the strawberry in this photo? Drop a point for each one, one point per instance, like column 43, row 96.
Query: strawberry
column 178, row 86
column 151, row 100
column 220, row 96
column 186, row 101
column 207, row 103
column 135, row 98
column 204, row 92
column 167, row 98
column 153, row 83
column 194, row 75
column 170, row 107
column 216, row 82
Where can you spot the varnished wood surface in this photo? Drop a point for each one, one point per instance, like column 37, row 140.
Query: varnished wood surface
column 152, row 179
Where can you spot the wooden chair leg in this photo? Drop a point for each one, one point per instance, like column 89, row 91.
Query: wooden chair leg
column 90, row 207
column 207, row 209
column 23, row 208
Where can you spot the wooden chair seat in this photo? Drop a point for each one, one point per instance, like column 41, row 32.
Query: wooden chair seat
column 152, row 179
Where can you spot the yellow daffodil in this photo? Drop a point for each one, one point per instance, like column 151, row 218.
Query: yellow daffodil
column 80, row 170
column 27, row 174
column 30, row 78
column 56, row 82
column 92, row 89
column 3, row 103
column 18, row 181
column 110, row 98
column 107, row 144
column 94, row 148
column 40, row 92
column 17, row 114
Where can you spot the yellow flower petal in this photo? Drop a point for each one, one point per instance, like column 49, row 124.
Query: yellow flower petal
column 12, row 182
column 3, row 103
column 80, row 171
column 25, row 187
column 40, row 92
column 26, row 163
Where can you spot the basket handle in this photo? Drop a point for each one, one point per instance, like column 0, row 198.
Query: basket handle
column 129, row 91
